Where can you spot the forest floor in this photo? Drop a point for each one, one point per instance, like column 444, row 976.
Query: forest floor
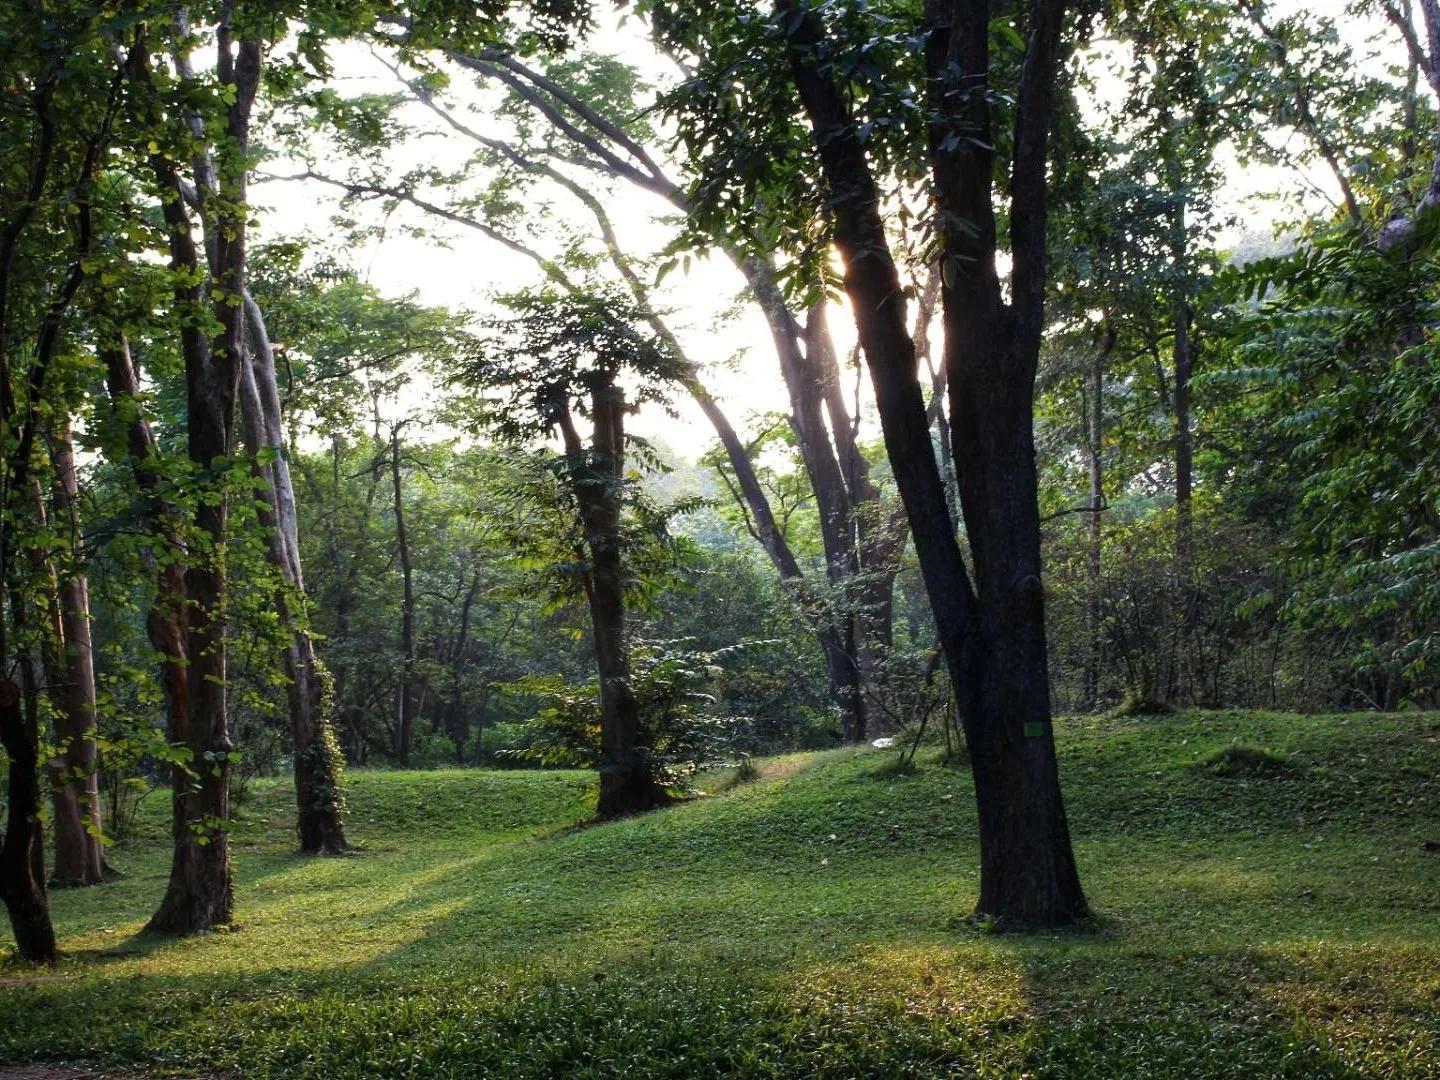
column 1260, row 915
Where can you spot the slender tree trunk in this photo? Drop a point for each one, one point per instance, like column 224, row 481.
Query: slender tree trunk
column 317, row 760
column 1184, row 447
column 877, row 537
column 22, row 869
column 405, row 732
column 75, row 791
column 1095, row 431
column 805, row 384
column 1183, row 676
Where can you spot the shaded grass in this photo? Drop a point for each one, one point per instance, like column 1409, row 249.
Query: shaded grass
column 813, row 922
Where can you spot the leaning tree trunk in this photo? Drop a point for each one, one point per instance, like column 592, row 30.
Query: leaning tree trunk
column 805, row 383
column 75, row 779
column 317, row 759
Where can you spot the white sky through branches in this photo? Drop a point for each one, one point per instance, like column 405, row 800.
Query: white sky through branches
column 449, row 265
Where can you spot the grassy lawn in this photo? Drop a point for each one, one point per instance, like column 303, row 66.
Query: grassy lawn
column 1284, row 921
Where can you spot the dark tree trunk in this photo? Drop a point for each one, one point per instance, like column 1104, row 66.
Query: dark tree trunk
column 317, row 761
column 22, row 878
column 876, row 536
column 1184, row 448
column 805, row 382
column 75, row 780
column 993, row 633
column 405, row 731
column 842, row 669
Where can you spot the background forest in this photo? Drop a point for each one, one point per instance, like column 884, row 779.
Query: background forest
column 652, row 391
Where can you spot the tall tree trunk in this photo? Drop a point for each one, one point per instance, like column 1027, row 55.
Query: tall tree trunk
column 317, row 760
column 22, row 877
column 993, row 633
column 1095, row 435
column 877, row 536
column 1184, row 359
column 22, row 870
column 75, row 790
column 200, row 894
column 405, row 732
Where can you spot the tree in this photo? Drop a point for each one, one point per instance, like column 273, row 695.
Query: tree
column 62, row 95
column 75, row 792
column 317, row 758
column 200, row 895
column 855, row 80
column 563, row 356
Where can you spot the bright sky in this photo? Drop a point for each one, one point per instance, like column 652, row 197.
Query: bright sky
column 459, row 268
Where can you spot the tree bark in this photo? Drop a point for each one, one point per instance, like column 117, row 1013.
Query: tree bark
column 166, row 623
column 22, row 853
column 805, row 382
column 458, row 721
column 75, row 779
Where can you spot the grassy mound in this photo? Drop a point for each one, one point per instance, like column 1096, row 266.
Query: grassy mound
column 1242, row 760
column 813, row 922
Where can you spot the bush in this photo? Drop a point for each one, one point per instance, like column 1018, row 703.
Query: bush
column 679, row 722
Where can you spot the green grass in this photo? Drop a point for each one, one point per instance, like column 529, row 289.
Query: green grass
column 811, row 923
